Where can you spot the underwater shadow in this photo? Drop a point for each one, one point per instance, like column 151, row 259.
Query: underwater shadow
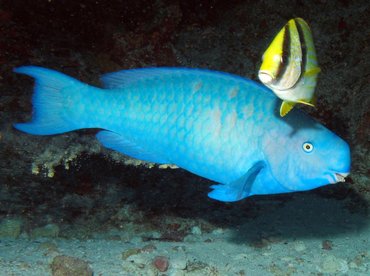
column 166, row 195
column 302, row 215
column 327, row 211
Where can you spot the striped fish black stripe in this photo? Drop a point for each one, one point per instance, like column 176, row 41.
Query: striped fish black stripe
column 303, row 47
column 285, row 56
column 286, row 52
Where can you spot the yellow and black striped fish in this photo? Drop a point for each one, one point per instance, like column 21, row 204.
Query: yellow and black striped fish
column 289, row 65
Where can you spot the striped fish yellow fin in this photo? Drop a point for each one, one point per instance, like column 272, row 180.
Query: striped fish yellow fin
column 286, row 107
column 312, row 72
column 312, row 102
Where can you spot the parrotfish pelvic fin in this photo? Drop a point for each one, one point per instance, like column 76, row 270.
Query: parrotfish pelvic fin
column 238, row 189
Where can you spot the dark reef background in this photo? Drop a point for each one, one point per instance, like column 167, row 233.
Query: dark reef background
column 71, row 181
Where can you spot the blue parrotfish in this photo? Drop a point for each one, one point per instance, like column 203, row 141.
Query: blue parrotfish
column 289, row 67
column 216, row 125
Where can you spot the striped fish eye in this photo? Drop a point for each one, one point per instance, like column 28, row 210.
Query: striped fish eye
column 307, row 147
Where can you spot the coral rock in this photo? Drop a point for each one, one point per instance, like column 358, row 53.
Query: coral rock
column 161, row 263
column 69, row 266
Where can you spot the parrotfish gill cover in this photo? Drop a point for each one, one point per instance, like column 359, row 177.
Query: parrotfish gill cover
column 216, row 125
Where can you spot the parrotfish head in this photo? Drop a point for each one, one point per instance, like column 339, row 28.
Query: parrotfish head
column 304, row 155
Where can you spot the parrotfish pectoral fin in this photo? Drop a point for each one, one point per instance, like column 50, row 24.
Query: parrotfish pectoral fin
column 239, row 189
column 286, row 107
column 117, row 142
column 51, row 89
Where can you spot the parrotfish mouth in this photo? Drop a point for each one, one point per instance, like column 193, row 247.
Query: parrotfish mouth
column 340, row 177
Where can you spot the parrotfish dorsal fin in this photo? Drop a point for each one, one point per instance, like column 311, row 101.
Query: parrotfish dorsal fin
column 124, row 78
column 286, row 107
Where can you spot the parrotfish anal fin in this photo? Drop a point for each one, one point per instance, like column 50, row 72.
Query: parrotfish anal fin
column 238, row 189
column 118, row 143
column 286, row 107
column 124, row 78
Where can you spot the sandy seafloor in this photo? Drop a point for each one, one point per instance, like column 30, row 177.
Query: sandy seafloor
column 308, row 235
column 65, row 196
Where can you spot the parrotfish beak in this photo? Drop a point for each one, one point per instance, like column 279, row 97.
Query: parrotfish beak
column 342, row 171
column 340, row 177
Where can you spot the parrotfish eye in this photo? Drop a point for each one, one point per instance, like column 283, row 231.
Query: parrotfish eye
column 307, row 147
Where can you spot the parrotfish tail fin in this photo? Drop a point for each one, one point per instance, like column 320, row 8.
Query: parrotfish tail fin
column 51, row 101
column 240, row 188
